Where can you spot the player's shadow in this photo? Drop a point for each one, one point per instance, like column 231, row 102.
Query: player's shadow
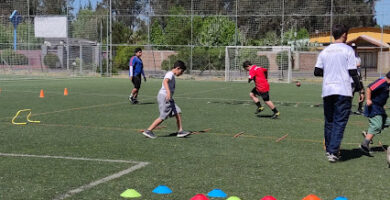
column 349, row 154
column 264, row 116
column 230, row 102
column 175, row 134
column 146, row 103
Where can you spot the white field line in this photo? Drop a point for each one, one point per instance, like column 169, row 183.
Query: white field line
column 82, row 188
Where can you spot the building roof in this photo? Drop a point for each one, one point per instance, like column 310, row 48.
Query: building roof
column 364, row 40
column 353, row 34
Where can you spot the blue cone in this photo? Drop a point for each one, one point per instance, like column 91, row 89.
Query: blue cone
column 341, row 198
column 162, row 189
column 218, row 193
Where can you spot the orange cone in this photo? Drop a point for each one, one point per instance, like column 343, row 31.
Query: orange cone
column 66, row 92
column 41, row 95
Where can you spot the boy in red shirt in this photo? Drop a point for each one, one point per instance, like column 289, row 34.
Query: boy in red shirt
column 259, row 75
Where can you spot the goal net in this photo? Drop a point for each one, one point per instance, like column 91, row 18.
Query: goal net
column 277, row 59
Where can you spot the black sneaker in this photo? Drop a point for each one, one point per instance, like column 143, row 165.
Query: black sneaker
column 181, row 134
column 275, row 115
column 364, row 133
column 259, row 109
column 149, row 134
column 365, row 149
column 358, row 112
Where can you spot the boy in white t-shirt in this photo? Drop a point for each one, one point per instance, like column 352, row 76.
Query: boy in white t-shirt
column 166, row 104
column 337, row 65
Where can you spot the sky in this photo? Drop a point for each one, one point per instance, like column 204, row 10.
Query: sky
column 382, row 9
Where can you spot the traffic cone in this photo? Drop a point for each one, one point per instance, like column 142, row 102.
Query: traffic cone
column 41, row 95
column 66, row 92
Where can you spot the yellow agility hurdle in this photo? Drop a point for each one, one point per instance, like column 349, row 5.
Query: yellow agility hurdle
column 28, row 118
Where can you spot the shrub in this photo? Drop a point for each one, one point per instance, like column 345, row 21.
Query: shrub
column 51, row 60
column 12, row 58
column 122, row 57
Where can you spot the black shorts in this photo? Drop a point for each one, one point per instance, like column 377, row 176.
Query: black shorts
column 264, row 95
column 136, row 81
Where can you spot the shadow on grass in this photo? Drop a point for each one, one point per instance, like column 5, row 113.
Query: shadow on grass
column 349, row 154
column 264, row 116
column 146, row 103
column 231, row 102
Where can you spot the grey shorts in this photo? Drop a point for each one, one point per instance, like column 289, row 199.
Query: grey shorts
column 167, row 109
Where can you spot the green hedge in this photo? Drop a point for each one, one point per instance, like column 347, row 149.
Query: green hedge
column 51, row 60
column 11, row 58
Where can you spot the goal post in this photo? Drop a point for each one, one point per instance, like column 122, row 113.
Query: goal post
column 277, row 59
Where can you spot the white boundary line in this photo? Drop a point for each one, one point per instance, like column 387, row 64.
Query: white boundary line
column 72, row 192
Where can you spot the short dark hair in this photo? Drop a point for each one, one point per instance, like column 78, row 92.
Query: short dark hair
column 388, row 74
column 180, row 64
column 338, row 30
column 246, row 64
column 137, row 50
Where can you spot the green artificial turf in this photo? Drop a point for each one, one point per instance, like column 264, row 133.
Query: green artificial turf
column 96, row 120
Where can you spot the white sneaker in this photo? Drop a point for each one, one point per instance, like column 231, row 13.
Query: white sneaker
column 331, row 157
column 388, row 156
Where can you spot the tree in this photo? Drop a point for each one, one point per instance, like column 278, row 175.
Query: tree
column 86, row 25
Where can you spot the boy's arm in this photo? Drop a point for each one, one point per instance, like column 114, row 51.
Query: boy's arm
column 143, row 74
column 131, row 68
column 166, row 86
column 368, row 96
column 319, row 67
column 355, row 77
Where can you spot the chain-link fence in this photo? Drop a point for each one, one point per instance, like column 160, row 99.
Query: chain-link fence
column 102, row 35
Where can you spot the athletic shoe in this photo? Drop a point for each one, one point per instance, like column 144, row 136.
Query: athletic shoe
column 358, row 112
column 183, row 133
column 365, row 149
column 275, row 115
column 331, row 157
column 364, row 133
column 388, row 156
column 149, row 134
column 259, row 109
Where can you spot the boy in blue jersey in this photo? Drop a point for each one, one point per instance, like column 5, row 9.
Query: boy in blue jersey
column 377, row 94
column 136, row 68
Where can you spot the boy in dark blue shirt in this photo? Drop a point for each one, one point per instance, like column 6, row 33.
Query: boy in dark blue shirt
column 136, row 69
column 377, row 94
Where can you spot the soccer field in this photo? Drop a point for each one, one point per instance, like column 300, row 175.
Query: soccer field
column 88, row 144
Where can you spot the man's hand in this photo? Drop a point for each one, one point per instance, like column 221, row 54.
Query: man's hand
column 369, row 102
column 168, row 97
column 144, row 78
column 131, row 78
